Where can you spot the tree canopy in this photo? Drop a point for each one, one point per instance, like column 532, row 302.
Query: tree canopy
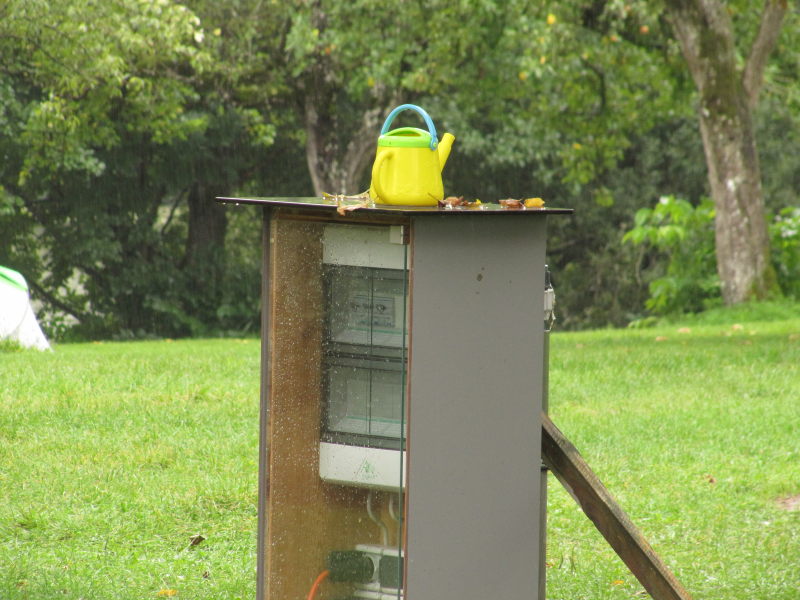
column 121, row 120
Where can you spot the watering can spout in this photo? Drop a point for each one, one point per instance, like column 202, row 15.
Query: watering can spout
column 444, row 148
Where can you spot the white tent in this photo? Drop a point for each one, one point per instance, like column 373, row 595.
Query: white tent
column 17, row 320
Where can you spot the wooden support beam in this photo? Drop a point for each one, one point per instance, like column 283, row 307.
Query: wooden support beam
column 566, row 463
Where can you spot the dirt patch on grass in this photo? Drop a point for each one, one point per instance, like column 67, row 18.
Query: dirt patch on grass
column 789, row 502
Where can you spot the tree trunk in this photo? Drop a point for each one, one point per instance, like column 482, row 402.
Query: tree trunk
column 727, row 97
column 337, row 168
column 204, row 261
column 207, row 223
column 742, row 242
column 339, row 148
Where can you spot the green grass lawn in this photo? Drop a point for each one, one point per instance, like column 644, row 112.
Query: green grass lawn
column 114, row 455
column 695, row 429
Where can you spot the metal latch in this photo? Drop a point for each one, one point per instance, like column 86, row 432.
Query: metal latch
column 549, row 301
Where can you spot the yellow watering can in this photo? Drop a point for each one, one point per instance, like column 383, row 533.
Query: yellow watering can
column 408, row 163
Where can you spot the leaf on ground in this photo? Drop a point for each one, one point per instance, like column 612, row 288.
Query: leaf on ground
column 789, row 503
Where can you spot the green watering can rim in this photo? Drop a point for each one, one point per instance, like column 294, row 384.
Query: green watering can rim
column 13, row 278
column 405, row 137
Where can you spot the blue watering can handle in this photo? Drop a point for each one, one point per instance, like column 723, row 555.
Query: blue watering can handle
column 423, row 114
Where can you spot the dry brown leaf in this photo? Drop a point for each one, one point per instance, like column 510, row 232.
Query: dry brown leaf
column 511, row 203
column 790, row 503
column 343, row 209
column 452, row 201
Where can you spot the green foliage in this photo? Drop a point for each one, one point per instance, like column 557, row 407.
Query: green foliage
column 599, row 280
column 120, row 121
column 9, row 346
column 556, row 95
column 567, row 88
column 684, row 235
column 92, row 63
column 785, row 239
column 681, row 264
column 112, row 121
column 682, row 273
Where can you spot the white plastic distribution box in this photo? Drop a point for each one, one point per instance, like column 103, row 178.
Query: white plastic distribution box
column 375, row 468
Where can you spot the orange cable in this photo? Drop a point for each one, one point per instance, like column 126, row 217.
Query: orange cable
column 317, row 582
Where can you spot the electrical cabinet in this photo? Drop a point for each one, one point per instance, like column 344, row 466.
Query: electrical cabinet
column 402, row 380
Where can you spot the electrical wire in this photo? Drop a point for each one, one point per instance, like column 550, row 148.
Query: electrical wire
column 392, row 510
column 317, row 582
column 376, row 520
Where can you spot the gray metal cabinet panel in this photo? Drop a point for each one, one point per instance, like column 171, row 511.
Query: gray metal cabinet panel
column 474, row 440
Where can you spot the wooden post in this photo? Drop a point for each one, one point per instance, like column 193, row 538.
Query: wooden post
column 566, row 463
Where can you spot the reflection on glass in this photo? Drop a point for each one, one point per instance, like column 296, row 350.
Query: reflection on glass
column 363, row 401
column 365, row 356
column 365, row 290
column 365, row 306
